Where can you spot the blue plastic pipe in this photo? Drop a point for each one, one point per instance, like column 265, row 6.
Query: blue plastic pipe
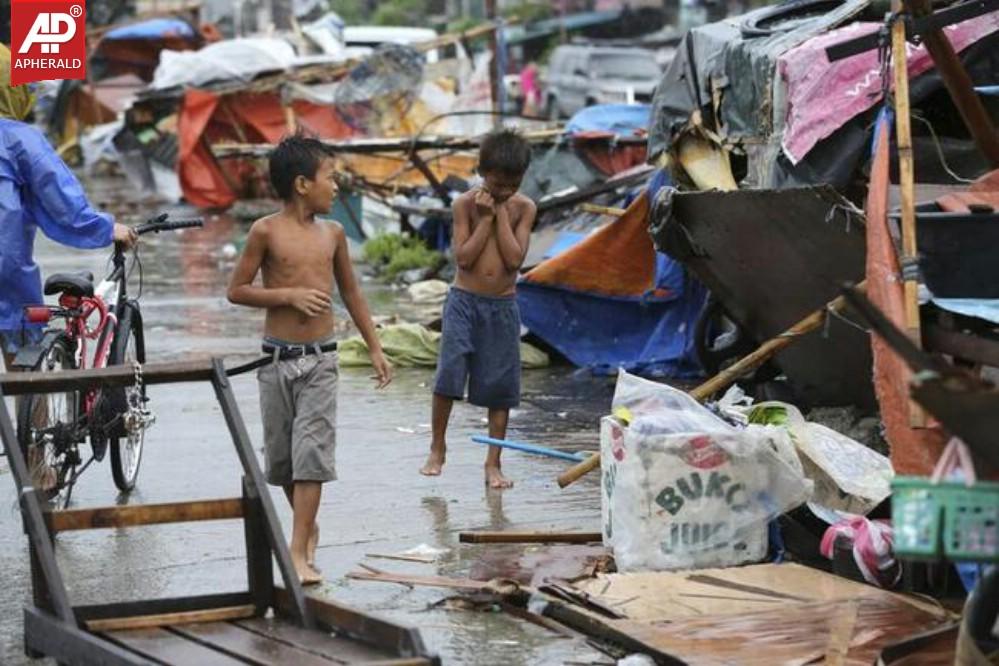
column 529, row 448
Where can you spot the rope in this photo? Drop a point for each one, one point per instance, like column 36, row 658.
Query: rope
column 940, row 154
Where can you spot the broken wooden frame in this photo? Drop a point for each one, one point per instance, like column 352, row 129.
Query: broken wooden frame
column 212, row 626
column 965, row 404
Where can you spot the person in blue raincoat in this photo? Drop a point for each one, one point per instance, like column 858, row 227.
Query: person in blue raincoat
column 37, row 191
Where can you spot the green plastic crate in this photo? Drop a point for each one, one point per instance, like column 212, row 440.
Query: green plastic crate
column 947, row 519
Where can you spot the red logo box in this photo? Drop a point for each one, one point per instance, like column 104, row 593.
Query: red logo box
column 48, row 40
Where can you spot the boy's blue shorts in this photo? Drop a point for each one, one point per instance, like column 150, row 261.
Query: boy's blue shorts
column 480, row 346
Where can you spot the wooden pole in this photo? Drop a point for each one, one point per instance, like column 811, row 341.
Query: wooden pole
column 959, row 84
column 601, row 210
column 729, row 375
column 906, row 178
column 529, row 537
column 495, row 76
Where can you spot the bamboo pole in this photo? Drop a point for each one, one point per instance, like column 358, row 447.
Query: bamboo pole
column 906, row 177
column 601, row 210
column 729, row 375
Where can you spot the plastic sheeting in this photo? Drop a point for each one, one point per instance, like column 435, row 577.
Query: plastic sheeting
column 717, row 55
column 234, row 59
column 611, row 301
column 413, row 345
column 157, row 28
column 617, row 119
column 822, row 96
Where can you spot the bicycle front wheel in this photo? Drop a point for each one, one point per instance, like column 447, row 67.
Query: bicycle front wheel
column 126, row 443
column 47, row 425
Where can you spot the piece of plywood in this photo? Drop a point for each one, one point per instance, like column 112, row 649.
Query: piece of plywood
column 790, row 634
column 322, row 643
column 169, row 648
column 669, row 596
column 172, row 619
column 251, row 646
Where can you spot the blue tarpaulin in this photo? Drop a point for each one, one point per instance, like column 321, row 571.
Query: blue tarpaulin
column 157, row 28
column 639, row 314
column 621, row 119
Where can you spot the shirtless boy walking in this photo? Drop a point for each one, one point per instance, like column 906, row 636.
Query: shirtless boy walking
column 480, row 345
column 299, row 256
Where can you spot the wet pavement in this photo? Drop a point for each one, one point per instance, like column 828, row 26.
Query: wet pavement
column 380, row 504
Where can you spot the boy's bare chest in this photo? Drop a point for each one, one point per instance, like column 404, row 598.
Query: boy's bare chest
column 305, row 251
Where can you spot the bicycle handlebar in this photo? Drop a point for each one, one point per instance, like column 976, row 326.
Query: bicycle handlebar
column 162, row 223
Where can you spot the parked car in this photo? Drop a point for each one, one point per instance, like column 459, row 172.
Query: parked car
column 582, row 75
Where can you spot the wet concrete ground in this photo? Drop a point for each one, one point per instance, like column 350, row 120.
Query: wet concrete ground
column 379, row 505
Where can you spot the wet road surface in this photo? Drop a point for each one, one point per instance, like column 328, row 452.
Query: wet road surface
column 380, row 504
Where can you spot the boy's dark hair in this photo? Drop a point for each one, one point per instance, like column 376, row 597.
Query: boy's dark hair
column 504, row 151
column 296, row 155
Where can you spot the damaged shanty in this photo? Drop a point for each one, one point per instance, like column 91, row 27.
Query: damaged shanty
column 772, row 197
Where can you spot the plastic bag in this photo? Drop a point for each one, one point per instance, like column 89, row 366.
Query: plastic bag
column 682, row 489
column 652, row 408
column 848, row 476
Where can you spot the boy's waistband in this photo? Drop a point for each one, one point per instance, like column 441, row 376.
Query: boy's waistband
column 483, row 297
column 283, row 349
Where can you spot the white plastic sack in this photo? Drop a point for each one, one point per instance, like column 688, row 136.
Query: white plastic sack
column 683, row 489
column 848, row 476
column 239, row 59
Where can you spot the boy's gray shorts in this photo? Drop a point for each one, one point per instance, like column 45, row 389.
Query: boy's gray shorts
column 480, row 346
column 298, row 408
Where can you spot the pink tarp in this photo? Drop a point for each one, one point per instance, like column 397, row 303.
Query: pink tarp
column 823, row 96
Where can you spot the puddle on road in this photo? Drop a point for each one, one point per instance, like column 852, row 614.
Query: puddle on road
column 379, row 505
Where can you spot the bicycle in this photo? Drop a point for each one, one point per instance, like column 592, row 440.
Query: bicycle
column 51, row 428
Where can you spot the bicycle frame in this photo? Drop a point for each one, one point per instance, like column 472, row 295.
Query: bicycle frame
column 107, row 302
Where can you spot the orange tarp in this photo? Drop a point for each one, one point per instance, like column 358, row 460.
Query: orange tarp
column 913, row 451
column 617, row 260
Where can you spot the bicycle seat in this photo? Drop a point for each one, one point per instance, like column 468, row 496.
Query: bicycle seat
column 74, row 284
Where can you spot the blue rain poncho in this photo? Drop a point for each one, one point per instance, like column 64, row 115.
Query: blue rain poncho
column 37, row 191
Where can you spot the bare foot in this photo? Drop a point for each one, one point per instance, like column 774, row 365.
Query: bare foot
column 310, row 548
column 434, row 464
column 306, row 574
column 495, row 478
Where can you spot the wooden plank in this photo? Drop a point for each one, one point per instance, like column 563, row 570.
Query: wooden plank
column 324, row 644
column 45, row 569
column 906, row 177
column 979, row 349
column 602, row 629
column 67, row 644
column 959, row 84
column 20, row 383
column 143, row 514
column 169, row 648
column 249, row 646
column 160, row 606
column 172, row 619
column 369, row 629
column 529, row 537
column 259, row 563
column 256, row 488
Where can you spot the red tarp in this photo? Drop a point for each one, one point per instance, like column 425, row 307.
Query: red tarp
column 823, row 96
column 207, row 118
column 912, row 450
